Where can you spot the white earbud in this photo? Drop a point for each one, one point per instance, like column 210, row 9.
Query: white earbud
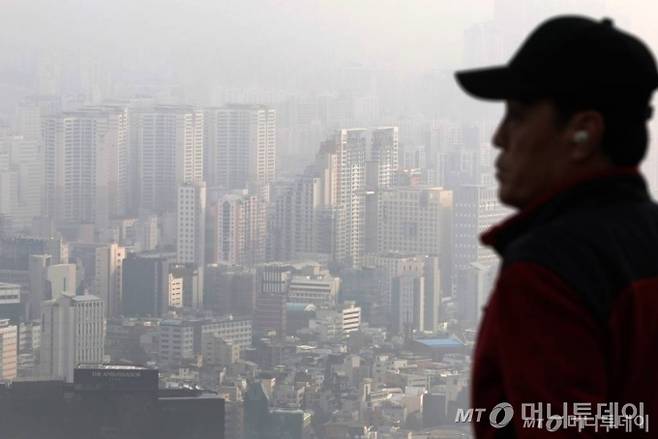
column 581, row 136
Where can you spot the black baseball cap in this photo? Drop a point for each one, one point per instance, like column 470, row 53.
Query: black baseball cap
column 570, row 56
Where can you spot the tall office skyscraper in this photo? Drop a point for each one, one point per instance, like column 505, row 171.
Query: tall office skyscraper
column 108, row 278
column 169, row 148
column 241, row 146
column 72, row 333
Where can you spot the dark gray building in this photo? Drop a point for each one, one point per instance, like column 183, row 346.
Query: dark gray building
column 145, row 285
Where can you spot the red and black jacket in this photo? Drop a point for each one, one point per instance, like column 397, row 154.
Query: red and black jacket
column 574, row 313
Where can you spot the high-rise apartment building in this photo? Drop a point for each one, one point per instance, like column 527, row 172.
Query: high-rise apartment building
column 293, row 223
column 241, row 146
column 30, row 114
column 240, row 229
column 21, row 181
column 384, row 153
column 169, row 147
column 86, row 165
column 191, row 224
column 351, row 148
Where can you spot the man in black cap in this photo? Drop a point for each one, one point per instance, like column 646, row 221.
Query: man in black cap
column 573, row 318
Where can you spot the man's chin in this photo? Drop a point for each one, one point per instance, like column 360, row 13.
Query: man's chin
column 507, row 197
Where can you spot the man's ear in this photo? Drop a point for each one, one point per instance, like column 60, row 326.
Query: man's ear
column 585, row 133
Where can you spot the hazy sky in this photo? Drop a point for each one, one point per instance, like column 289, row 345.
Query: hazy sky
column 248, row 40
column 416, row 27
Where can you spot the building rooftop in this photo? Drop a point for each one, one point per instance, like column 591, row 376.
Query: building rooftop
column 86, row 298
column 112, row 367
column 442, row 342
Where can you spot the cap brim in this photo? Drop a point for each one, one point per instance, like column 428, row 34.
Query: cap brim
column 494, row 83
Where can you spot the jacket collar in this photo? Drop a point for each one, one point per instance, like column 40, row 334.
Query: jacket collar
column 589, row 190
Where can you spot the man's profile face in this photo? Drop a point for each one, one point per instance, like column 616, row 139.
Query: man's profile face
column 533, row 151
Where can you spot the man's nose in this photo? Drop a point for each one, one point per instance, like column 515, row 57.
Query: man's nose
column 498, row 139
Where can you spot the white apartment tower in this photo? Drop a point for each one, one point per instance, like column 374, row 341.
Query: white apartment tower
column 293, row 223
column 72, row 333
column 191, row 224
column 240, row 229
column 351, row 147
column 241, row 146
column 86, row 165
column 169, row 146
column 384, row 152
column 21, row 180
column 30, row 114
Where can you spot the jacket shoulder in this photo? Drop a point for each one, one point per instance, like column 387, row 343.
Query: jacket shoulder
column 596, row 252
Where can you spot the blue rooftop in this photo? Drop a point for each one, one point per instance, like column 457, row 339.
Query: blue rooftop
column 446, row 342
